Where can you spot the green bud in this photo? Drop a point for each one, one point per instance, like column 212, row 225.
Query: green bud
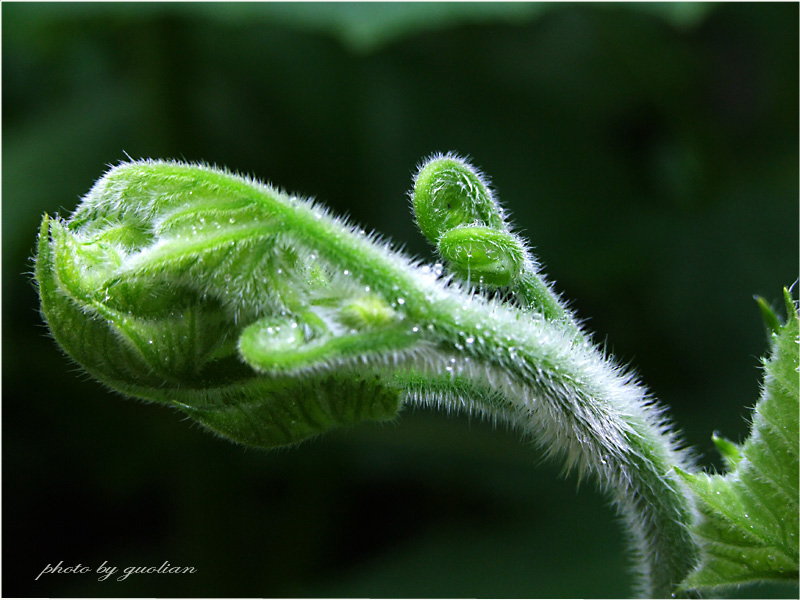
column 368, row 312
column 731, row 453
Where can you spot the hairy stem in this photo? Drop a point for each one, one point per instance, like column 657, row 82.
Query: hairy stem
column 268, row 321
column 536, row 375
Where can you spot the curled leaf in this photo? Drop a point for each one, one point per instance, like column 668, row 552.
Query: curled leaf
column 180, row 284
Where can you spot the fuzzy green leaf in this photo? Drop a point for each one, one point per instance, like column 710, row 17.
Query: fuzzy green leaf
column 161, row 281
column 748, row 528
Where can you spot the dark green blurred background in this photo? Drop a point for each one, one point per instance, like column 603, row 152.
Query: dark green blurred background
column 649, row 152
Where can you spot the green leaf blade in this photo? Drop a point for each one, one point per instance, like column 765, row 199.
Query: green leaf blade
column 748, row 526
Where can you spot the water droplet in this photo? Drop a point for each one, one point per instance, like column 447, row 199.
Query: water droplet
column 401, row 300
column 415, row 329
column 470, row 340
column 149, row 341
column 346, row 272
column 231, row 220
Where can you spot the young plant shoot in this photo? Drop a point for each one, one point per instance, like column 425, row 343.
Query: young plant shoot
column 269, row 321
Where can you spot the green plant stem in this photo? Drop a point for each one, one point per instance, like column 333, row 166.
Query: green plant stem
column 536, row 376
column 553, row 387
column 269, row 321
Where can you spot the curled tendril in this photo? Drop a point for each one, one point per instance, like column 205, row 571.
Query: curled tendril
column 458, row 213
column 449, row 192
column 482, row 255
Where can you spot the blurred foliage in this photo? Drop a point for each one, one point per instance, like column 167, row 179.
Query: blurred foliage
column 649, row 152
column 361, row 27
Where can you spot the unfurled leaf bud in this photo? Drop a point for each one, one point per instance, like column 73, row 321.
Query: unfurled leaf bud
column 182, row 284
